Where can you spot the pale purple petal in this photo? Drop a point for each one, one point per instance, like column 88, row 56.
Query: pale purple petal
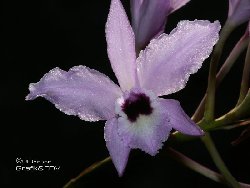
column 176, row 4
column 232, row 5
column 121, row 45
column 179, row 119
column 148, row 132
column 150, row 21
column 118, row 151
column 79, row 92
column 135, row 12
column 149, row 18
column 165, row 65
column 239, row 11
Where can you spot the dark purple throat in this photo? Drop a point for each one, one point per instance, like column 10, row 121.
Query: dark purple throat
column 136, row 104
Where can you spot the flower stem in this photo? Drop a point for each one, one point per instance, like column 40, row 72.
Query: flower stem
column 243, row 136
column 238, row 124
column 245, row 77
column 241, row 123
column 197, row 167
column 193, row 165
column 210, row 102
column 234, row 54
column 220, row 123
column 207, row 140
column 239, row 112
column 87, row 171
column 179, row 157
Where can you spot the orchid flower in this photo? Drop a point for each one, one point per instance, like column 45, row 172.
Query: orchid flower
column 149, row 18
column 136, row 116
column 239, row 11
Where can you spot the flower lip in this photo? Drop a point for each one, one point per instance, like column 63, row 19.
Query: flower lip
column 136, row 104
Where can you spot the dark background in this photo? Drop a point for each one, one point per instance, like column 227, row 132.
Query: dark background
column 41, row 35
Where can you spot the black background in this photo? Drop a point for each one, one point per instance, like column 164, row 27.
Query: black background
column 41, row 35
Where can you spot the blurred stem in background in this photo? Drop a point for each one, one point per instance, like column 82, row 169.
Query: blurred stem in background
column 245, row 77
column 229, row 179
column 226, row 67
column 210, row 100
column 197, row 167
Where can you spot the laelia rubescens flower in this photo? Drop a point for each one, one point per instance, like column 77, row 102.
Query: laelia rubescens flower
column 149, row 18
column 136, row 116
column 239, row 11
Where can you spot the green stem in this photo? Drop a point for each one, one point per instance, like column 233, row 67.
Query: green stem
column 245, row 77
column 197, row 167
column 243, row 136
column 87, row 171
column 220, row 123
column 241, row 123
column 219, row 162
column 226, row 67
column 193, row 165
column 210, row 102
column 239, row 112
column 179, row 157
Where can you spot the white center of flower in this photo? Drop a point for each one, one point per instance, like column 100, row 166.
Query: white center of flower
column 135, row 103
